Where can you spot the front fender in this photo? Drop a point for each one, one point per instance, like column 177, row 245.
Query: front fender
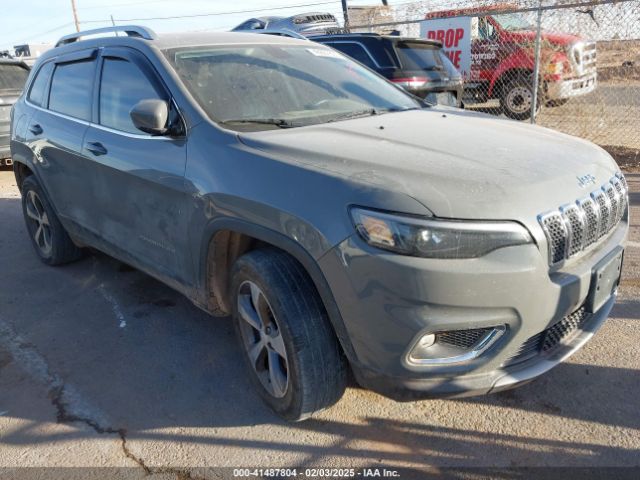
column 293, row 248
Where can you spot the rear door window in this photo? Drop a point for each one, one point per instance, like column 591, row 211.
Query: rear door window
column 123, row 86
column 418, row 56
column 12, row 76
column 72, row 89
column 39, row 85
column 355, row 51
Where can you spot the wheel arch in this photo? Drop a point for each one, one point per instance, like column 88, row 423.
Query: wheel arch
column 21, row 171
column 504, row 77
column 226, row 239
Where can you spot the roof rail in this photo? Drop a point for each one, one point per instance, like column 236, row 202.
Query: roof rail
column 130, row 30
column 285, row 32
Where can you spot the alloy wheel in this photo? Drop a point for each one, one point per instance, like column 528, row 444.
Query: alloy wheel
column 262, row 339
column 39, row 220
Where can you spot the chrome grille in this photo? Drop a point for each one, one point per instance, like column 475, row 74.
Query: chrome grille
column 584, row 58
column 557, row 235
column 592, row 220
column 602, row 201
column 577, row 226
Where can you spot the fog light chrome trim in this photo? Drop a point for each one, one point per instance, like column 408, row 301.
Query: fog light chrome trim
column 478, row 349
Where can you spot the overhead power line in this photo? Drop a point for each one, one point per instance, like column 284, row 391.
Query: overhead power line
column 60, row 27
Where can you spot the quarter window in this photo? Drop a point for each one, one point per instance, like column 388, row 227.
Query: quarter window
column 123, row 86
column 71, row 89
column 36, row 94
column 355, row 51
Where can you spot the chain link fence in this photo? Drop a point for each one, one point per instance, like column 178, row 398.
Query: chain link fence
column 573, row 66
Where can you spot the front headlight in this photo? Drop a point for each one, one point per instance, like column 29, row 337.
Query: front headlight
column 555, row 68
column 421, row 237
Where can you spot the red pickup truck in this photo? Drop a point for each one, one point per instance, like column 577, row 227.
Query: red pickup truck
column 499, row 50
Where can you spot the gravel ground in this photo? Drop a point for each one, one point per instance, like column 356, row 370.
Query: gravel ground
column 102, row 366
column 610, row 115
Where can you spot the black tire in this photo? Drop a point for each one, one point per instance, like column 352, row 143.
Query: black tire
column 557, row 103
column 516, row 98
column 314, row 364
column 48, row 236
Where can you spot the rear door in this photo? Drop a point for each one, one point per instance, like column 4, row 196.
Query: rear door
column 63, row 110
column 137, row 180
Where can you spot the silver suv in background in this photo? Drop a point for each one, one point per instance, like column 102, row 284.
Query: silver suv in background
column 339, row 221
column 13, row 75
column 306, row 24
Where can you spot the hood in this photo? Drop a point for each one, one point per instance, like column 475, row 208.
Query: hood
column 457, row 163
column 554, row 38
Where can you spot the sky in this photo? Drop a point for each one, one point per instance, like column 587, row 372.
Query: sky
column 35, row 21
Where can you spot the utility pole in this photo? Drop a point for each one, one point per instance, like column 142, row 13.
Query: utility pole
column 345, row 12
column 75, row 15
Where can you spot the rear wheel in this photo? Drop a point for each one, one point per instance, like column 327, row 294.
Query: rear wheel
column 48, row 236
column 517, row 98
column 293, row 356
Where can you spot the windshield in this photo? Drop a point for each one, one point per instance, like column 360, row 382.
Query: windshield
column 278, row 86
column 12, row 77
column 512, row 21
column 419, row 56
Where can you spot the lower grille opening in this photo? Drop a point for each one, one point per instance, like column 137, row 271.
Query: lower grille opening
column 463, row 338
column 548, row 339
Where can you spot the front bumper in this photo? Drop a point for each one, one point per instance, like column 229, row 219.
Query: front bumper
column 572, row 88
column 407, row 389
column 387, row 301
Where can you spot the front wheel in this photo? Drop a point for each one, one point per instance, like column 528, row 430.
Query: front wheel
column 293, row 356
column 557, row 103
column 517, row 98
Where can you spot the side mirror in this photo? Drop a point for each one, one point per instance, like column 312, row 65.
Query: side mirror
column 151, row 116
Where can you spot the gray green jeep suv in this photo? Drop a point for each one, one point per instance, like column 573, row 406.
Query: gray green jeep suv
column 339, row 222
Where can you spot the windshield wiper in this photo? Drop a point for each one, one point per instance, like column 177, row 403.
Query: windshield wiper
column 278, row 122
column 398, row 109
column 358, row 113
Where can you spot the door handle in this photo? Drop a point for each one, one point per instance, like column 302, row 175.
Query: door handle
column 96, row 148
column 36, row 129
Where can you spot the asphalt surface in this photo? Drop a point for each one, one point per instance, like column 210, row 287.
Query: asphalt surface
column 100, row 365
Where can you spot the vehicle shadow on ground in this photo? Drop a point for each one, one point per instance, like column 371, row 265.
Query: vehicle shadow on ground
column 173, row 366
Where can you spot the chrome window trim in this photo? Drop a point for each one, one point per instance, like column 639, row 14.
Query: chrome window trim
column 141, row 136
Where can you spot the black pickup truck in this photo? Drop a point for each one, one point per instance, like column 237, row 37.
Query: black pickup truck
column 13, row 75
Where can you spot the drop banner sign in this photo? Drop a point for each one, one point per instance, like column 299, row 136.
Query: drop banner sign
column 455, row 35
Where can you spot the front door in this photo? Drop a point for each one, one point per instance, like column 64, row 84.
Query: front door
column 137, row 179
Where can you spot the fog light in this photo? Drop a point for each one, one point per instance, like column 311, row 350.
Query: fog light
column 427, row 340
column 453, row 346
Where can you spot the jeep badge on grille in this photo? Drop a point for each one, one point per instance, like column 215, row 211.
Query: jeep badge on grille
column 586, row 180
